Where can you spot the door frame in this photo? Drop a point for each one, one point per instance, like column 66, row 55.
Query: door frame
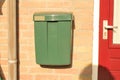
column 95, row 53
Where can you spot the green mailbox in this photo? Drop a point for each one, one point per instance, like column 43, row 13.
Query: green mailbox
column 53, row 36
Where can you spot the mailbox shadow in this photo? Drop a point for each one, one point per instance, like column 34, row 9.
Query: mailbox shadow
column 104, row 73
column 64, row 66
column 1, row 4
column 2, row 74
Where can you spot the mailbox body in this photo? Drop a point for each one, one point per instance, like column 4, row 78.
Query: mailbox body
column 53, row 35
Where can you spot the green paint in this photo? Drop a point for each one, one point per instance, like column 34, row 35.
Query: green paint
column 53, row 39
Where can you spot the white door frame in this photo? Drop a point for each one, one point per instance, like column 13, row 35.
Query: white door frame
column 95, row 40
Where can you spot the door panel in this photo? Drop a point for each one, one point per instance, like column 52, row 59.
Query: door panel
column 113, row 35
column 109, row 48
column 116, row 22
column 116, row 54
column 116, row 73
column 115, row 64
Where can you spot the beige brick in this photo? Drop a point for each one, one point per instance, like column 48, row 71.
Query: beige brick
column 82, row 39
column 33, row 4
column 4, row 62
column 54, row 4
column 67, row 71
column 66, row 77
column 83, row 4
column 24, row 70
column 3, row 47
column 27, row 63
column 3, row 54
column 26, row 77
column 3, row 41
column 54, row 0
column 46, row 77
column 3, row 27
column 40, row 70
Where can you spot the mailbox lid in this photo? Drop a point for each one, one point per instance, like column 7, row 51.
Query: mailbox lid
column 52, row 16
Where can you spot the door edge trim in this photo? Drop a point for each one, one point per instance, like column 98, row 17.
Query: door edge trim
column 95, row 53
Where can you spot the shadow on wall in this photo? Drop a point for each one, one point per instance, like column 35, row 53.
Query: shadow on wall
column 104, row 73
column 1, row 3
column 2, row 74
column 86, row 73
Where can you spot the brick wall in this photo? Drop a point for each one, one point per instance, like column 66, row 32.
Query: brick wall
column 82, row 41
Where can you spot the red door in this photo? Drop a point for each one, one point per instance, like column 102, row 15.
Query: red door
column 109, row 40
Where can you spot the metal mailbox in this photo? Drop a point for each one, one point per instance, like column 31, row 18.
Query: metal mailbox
column 53, row 35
